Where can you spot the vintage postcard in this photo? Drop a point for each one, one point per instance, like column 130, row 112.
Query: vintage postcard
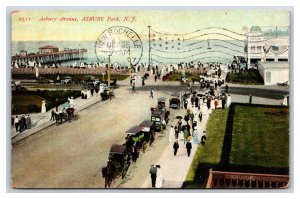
column 151, row 99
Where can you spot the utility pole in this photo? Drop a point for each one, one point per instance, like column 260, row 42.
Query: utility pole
column 149, row 47
column 108, row 75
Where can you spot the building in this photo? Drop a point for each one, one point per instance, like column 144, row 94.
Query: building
column 274, row 72
column 265, row 49
column 48, row 49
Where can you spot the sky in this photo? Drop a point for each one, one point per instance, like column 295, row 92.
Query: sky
column 33, row 25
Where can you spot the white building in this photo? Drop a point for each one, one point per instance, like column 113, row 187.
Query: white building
column 259, row 48
column 274, row 72
column 270, row 54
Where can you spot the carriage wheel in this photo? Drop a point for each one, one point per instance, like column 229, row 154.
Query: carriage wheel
column 124, row 171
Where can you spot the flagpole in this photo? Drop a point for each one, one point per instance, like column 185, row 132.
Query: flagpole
column 149, row 46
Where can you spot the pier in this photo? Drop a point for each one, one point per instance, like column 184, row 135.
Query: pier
column 48, row 54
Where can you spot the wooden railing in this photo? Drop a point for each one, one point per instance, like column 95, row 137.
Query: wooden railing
column 65, row 70
column 232, row 180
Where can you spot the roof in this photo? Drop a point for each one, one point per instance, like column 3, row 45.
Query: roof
column 134, row 130
column 146, row 123
column 255, row 29
column 48, row 47
column 117, row 149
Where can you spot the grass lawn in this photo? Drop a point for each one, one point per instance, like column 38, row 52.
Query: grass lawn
column 21, row 102
column 260, row 137
column 245, row 77
column 24, row 101
column 251, row 139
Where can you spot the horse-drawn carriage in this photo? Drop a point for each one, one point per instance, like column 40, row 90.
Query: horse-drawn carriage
column 118, row 163
column 174, row 102
column 139, row 136
column 161, row 103
column 68, row 114
column 107, row 95
column 159, row 118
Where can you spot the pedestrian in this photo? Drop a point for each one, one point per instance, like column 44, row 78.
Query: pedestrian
column 228, row 101
column 185, row 135
column 226, row 88
column 16, row 122
column 153, row 172
column 52, row 115
column 56, row 104
column 171, row 134
column 216, row 103
column 151, row 93
column 195, row 136
column 159, row 177
column 176, row 132
column 223, row 102
column 175, row 147
column 143, row 81
column 188, row 148
column 208, row 102
column 155, row 77
column 250, row 99
column 185, row 104
column 200, row 115
column 186, row 117
column 28, row 122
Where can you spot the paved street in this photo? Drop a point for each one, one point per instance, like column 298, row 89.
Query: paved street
column 71, row 155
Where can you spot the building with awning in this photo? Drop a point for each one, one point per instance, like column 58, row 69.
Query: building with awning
column 274, row 72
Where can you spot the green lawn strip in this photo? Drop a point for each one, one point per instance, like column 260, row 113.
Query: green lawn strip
column 210, row 153
column 245, row 77
column 22, row 102
column 260, row 139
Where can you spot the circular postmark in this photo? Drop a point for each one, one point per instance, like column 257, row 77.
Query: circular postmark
column 121, row 43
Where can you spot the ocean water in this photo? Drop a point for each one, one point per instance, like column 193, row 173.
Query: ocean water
column 188, row 51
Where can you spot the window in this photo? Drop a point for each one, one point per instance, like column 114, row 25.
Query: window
column 258, row 48
column 252, row 47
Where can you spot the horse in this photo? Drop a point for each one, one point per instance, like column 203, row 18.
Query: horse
column 108, row 173
column 59, row 117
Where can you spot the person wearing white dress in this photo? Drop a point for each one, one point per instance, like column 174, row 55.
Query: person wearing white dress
column 172, row 134
column 159, row 178
column 228, row 102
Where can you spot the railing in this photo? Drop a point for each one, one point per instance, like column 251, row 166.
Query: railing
column 233, row 180
column 65, row 70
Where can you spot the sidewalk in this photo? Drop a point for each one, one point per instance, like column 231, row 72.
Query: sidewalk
column 175, row 168
column 40, row 121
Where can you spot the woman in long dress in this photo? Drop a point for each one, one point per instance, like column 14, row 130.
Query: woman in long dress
column 195, row 136
column 159, row 178
column 172, row 134
column 228, row 102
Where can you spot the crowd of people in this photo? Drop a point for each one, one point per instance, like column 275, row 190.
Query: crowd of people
column 21, row 122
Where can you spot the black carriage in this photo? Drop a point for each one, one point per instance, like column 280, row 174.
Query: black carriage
column 161, row 103
column 159, row 118
column 107, row 95
column 119, row 157
column 174, row 102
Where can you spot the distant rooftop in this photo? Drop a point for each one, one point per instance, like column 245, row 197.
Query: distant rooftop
column 255, row 29
column 275, row 65
column 48, row 47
